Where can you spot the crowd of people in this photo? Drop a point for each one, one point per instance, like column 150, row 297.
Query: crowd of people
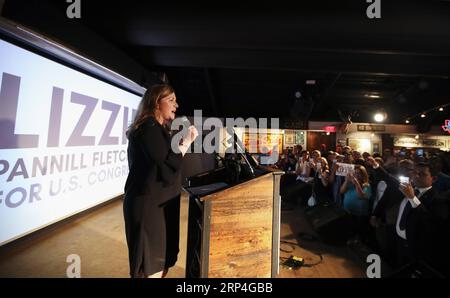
column 398, row 203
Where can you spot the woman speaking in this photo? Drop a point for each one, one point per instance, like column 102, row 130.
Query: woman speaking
column 152, row 190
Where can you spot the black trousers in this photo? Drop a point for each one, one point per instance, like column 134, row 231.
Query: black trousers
column 172, row 217
column 386, row 243
column 404, row 254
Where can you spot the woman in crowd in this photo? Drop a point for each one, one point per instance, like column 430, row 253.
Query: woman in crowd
column 357, row 193
column 321, row 186
column 336, row 181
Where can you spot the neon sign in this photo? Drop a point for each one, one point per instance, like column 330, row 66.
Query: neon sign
column 446, row 127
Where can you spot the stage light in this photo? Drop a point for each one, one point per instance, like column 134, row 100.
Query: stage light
column 417, row 137
column 407, row 121
column 441, row 109
column 422, row 116
column 379, row 117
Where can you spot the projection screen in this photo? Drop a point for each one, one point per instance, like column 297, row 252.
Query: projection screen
column 62, row 141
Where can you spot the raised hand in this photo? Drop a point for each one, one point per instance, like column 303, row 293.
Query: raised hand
column 407, row 190
column 372, row 162
column 349, row 177
column 193, row 133
column 189, row 139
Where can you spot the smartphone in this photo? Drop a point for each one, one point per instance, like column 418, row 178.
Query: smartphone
column 403, row 179
column 319, row 165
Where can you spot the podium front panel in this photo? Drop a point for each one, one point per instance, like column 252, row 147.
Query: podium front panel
column 235, row 232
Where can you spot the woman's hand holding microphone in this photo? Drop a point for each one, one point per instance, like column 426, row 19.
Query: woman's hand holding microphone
column 188, row 140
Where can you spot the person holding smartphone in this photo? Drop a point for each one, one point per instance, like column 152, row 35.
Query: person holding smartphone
column 357, row 192
column 385, row 213
column 421, row 222
column 321, row 184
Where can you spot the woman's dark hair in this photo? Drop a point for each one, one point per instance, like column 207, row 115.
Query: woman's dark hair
column 365, row 175
column 148, row 104
column 303, row 152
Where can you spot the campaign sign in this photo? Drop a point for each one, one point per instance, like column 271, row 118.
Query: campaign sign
column 63, row 147
column 344, row 169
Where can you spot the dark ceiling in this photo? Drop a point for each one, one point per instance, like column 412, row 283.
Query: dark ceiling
column 231, row 59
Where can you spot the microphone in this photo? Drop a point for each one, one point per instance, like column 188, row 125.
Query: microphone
column 237, row 143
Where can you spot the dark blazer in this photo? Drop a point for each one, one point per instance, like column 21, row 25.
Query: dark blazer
column 151, row 204
column 426, row 230
column 153, row 165
column 387, row 207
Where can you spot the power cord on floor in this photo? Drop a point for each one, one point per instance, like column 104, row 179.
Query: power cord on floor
column 290, row 244
column 295, row 262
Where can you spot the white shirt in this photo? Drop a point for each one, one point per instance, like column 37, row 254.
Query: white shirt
column 381, row 187
column 414, row 203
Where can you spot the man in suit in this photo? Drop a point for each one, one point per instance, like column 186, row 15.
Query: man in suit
column 421, row 223
column 384, row 214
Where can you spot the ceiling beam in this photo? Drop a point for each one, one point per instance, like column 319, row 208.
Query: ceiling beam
column 334, row 62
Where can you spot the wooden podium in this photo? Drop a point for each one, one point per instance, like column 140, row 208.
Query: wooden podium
column 234, row 231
